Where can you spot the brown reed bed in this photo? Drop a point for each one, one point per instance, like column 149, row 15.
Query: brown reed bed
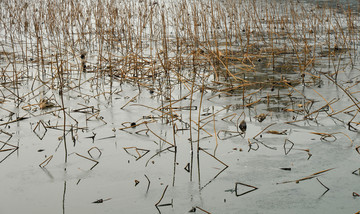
column 203, row 62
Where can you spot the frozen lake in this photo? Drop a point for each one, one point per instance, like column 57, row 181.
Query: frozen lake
column 183, row 107
column 354, row 4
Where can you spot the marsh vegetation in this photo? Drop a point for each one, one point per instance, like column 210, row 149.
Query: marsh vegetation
column 179, row 106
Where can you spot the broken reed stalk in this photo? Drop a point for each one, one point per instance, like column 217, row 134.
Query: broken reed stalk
column 203, row 210
column 244, row 193
column 148, row 186
column 96, row 162
column 211, row 115
column 332, row 135
column 215, row 135
column 307, row 177
column 198, row 133
column 202, row 128
column 46, row 161
column 263, row 130
column 233, row 115
column 344, row 109
column 60, row 74
column 97, row 149
column 16, row 120
column 327, row 103
column 132, row 99
column 14, row 149
column 137, row 151
column 157, row 153
column 346, row 92
column 322, row 108
column 190, row 124
column 159, row 136
column 214, row 157
column 289, row 149
column 322, row 184
column 162, row 196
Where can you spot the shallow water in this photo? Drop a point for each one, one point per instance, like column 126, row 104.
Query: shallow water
column 100, row 108
column 72, row 191
column 353, row 4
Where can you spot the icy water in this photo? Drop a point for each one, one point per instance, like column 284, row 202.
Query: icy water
column 126, row 131
column 353, row 4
